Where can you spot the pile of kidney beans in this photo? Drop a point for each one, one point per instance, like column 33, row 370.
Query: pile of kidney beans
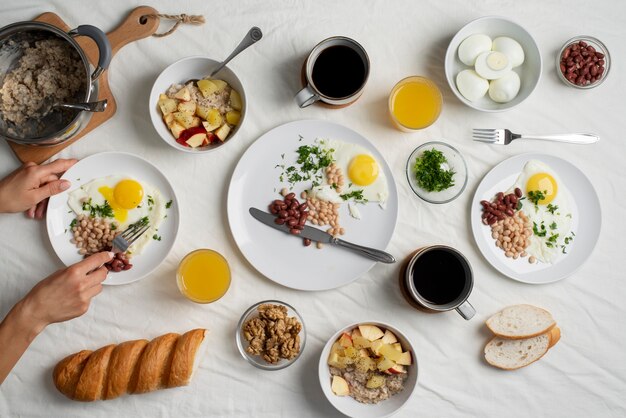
column 292, row 213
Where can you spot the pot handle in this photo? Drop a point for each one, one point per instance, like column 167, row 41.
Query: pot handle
column 104, row 46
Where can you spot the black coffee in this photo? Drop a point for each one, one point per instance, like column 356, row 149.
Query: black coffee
column 338, row 72
column 439, row 276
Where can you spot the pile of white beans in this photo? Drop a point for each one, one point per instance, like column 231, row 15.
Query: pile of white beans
column 93, row 235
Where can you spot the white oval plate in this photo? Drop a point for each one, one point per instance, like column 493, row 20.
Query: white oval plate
column 586, row 221
column 59, row 215
column 353, row 408
column 281, row 257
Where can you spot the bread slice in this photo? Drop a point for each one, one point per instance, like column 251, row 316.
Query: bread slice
column 510, row 354
column 520, row 322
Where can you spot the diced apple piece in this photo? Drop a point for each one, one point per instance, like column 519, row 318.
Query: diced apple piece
column 214, row 117
column 365, row 364
column 168, row 119
column 389, row 352
column 385, row 364
column 223, row 132
column 221, row 85
column 352, row 353
column 363, row 352
column 188, row 107
column 355, row 333
column 375, row 346
column 183, row 94
column 405, row 359
column 339, row 386
column 233, row 117
column 337, row 348
column 397, row 369
column 361, row 342
column 389, row 337
column 333, row 361
column 203, row 112
column 184, row 118
column 371, row 332
column 196, row 121
column 375, row 381
column 345, row 341
column 176, row 129
column 168, row 105
column 209, row 127
column 235, row 100
column 163, row 96
column 206, row 87
column 397, row 346
column 196, row 140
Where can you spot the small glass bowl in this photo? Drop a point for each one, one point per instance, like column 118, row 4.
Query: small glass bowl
column 242, row 344
column 599, row 46
column 455, row 162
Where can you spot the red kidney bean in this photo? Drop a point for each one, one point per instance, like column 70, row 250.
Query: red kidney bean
column 295, row 231
column 292, row 222
column 279, row 221
column 306, row 242
column 283, row 214
column 290, row 196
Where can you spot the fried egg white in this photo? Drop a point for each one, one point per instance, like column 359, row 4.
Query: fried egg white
column 130, row 200
column 551, row 217
column 360, row 169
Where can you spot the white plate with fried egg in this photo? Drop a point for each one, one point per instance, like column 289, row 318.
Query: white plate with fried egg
column 282, row 257
column 570, row 209
column 134, row 189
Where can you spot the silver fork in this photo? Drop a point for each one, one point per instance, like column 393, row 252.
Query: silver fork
column 504, row 137
column 124, row 240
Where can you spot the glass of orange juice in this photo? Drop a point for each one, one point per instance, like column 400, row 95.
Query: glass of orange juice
column 414, row 103
column 203, row 276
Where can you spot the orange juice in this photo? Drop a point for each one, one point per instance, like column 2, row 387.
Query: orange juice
column 203, row 276
column 415, row 103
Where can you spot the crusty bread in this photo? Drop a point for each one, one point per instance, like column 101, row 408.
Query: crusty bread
column 510, row 354
column 520, row 322
column 130, row 367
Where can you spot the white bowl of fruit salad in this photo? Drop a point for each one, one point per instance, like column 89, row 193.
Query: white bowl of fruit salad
column 197, row 116
column 368, row 369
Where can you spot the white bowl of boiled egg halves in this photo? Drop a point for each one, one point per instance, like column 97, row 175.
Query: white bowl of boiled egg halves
column 492, row 64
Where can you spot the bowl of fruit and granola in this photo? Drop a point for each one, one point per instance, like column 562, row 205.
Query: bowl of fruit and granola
column 195, row 114
column 368, row 369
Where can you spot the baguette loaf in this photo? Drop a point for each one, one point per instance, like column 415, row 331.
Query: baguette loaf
column 130, row 367
column 520, row 322
column 510, row 354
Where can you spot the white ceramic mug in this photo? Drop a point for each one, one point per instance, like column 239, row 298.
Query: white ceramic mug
column 310, row 94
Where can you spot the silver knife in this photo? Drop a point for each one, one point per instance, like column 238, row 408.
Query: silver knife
column 317, row 235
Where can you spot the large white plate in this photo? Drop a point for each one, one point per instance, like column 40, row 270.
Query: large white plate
column 104, row 164
column 283, row 258
column 586, row 220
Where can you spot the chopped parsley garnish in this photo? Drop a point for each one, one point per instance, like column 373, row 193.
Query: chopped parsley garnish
column 553, row 225
column 150, row 200
column 356, row 195
column 536, row 195
column 73, row 223
column 312, row 159
column 519, row 203
column 552, row 240
column 103, row 211
column 141, row 222
column 156, row 237
column 113, row 227
column 168, row 204
column 552, row 208
column 540, row 230
column 429, row 172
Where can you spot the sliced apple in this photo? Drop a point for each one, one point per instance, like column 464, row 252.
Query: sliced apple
column 345, row 341
column 365, row 364
column 336, row 348
column 371, row 332
column 363, row 352
column 202, row 112
column 355, row 333
column 389, row 352
column 196, row 140
column 167, row 105
column 375, row 346
column 405, row 359
column 196, row 121
column 397, row 369
column 235, row 100
column 233, row 117
column 163, row 96
column 223, row 132
column 385, row 364
column 375, row 381
column 188, row 107
column 397, row 346
column 185, row 119
column 352, row 354
column 206, row 87
column 339, row 386
column 183, row 94
column 333, row 361
column 168, row 119
column 221, row 85
column 209, row 127
column 389, row 337
column 214, row 117
column 361, row 342
column 176, row 129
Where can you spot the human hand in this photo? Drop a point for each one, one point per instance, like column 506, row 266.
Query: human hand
column 29, row 187
column 67, row 293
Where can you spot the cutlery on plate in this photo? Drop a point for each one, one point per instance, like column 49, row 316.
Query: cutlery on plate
column 253, row 35
column 89, row 107
column 128, row 237
column 504, row 137
column 317, row 235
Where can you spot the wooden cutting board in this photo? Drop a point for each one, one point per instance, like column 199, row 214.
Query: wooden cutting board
column 133, row 28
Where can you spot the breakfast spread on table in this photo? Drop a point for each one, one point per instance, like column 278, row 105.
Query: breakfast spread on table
column 321, row 181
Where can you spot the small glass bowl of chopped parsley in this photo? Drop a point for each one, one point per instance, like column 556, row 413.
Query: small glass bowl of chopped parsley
column 437, row 172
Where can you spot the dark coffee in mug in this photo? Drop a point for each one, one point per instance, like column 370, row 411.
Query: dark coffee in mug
column 440, row 276
column 339, row 71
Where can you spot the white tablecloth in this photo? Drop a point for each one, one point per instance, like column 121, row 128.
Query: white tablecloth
column 584, row 375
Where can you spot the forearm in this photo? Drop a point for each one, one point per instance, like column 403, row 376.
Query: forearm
column 17, row 331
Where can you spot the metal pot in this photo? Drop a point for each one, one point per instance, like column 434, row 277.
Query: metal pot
column 60, row 124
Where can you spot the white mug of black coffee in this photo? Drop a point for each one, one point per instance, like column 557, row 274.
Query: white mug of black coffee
column 439, row 278
column 335, row 71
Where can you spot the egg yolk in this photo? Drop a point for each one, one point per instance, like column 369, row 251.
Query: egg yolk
column 544, row 183
column 363, row 170
column 126, row 195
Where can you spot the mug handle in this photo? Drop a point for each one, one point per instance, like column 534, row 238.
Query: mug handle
column 466, row 310
column 104, row 46
column 306, row 97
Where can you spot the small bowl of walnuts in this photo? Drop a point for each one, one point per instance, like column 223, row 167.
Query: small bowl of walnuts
column 271, row 335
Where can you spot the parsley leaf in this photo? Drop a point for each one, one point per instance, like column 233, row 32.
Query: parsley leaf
column 102, row 211
column 156, row 237
column 552, row 208
column 356, row 195
column 168, row 204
